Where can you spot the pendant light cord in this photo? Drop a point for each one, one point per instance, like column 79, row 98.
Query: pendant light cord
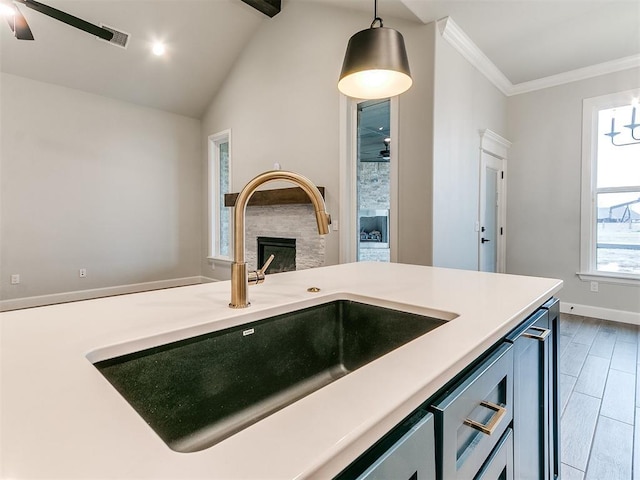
column 376, row 18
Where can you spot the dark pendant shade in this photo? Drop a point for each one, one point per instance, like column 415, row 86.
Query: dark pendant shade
column 375, row 65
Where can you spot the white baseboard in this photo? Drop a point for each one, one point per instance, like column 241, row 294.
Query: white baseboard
column 602, row 313
column 64, row 297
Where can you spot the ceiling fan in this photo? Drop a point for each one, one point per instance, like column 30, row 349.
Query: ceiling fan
column 386, row 153
column 21, row 30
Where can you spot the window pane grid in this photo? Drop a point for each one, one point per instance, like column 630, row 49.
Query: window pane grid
column 224, row 224
column 220, row 217
column 616, row 195
column 618, row 232
column 617, row 166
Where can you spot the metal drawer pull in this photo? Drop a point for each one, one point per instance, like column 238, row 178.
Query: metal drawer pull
column 493, row 422
column 544, row 332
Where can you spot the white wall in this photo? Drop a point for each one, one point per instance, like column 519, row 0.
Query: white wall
column 92, row 182
column 544, row 188
column 415, row 145
column 282, row 104
column 465, row 103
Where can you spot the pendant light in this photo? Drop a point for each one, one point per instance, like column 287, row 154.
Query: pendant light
column 375, row 64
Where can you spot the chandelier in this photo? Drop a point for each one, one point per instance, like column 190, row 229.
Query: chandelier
column 632, row 131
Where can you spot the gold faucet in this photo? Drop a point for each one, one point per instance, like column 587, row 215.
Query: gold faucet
column 240, row 278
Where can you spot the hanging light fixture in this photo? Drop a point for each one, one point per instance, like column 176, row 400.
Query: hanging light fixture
column 633, row 140
column 375, row 64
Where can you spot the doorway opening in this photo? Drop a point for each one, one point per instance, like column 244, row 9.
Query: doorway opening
column 373, row 182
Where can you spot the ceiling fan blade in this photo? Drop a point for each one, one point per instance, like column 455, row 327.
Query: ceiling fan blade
column 68, row 19
column 20, row 27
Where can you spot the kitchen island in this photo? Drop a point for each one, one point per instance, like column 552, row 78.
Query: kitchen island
column 60, row 418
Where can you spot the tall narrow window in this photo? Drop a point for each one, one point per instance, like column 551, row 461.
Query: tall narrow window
column 220, row 184
column 611, row 187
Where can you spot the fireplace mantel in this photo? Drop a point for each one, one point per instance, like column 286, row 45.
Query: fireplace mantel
column 276, row 196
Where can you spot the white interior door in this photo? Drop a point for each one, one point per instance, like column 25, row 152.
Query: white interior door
column 491, row 205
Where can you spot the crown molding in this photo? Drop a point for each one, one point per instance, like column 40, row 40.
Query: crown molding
column 459, row 40
column 612, row 66
column 452, row 33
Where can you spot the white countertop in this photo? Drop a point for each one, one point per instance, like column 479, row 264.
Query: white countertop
column 60, row 418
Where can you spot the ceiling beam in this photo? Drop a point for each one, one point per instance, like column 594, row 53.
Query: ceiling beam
column 269, row 7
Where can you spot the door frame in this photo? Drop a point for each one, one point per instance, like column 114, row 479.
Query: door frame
column 348, row 142
column 496, row 147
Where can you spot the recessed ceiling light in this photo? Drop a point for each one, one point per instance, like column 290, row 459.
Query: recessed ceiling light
column 158, row 49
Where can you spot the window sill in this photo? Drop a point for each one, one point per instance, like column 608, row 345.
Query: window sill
column 220, row 261
column 610, row 277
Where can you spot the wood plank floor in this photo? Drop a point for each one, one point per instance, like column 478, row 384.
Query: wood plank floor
column 600, row 399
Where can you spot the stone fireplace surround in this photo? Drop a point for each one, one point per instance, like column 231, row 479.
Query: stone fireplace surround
column 285, row 221
column 271, row 214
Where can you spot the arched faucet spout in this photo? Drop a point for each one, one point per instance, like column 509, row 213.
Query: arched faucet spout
column 239, row 274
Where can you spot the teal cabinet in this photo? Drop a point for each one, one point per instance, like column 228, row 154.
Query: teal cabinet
column 499, row 465
column 531, row 396
column 410, row 458
column 405, row 453
column 472, row 417
column 535, row 418
column 497, row 420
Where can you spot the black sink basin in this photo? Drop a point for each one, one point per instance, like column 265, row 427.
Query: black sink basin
column 196, row 392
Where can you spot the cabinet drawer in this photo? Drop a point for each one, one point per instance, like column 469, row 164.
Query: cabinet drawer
column 471, row 418
column 410, row 458
column 499, row 466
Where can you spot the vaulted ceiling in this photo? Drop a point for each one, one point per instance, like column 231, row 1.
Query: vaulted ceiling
column 203, row 38
column 525, row 39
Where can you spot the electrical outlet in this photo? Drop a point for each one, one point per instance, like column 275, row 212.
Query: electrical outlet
column 594, row 286
column 82, row 272
column 15, row 279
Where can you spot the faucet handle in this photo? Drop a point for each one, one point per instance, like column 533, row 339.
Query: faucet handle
column 266, row 264
column 258, row 276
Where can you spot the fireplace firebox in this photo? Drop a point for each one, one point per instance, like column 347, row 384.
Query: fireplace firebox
column 374, row 228
column 284, row 251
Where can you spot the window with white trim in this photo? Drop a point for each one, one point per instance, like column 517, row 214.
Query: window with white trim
column 610, row 215
column 219, row 185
